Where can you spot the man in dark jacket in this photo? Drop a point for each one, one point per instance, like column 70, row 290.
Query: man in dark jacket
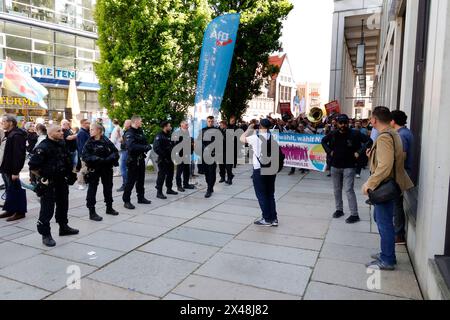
column 137, row 147
column 344, row 146
column 184, row 166
column 52, row 164
column 12, row 164
column 225, row 169
column 163, row 148
column 82, row 137
column 210, row 167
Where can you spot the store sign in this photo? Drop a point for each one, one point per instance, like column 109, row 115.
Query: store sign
column 333, row 107
column 17, row 101
column 39, row 71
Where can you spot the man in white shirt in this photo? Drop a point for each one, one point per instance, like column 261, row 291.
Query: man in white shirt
column 264, row 184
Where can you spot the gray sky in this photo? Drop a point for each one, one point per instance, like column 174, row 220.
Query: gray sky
column 307, row 35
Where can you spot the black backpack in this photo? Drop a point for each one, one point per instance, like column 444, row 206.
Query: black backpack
column 281, row 156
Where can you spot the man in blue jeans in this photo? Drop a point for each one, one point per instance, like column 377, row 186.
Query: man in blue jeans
column 386, row 162
column 124, row 157
column 263, row 182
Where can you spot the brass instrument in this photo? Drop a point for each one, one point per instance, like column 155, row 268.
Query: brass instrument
column 315, row 115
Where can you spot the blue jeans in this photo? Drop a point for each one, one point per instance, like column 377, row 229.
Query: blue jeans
column 384, row 217
column 123, row 166
column 265, row 192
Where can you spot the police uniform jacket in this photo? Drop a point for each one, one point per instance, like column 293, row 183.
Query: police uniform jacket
column 98, row 154
column 52, row 160
column 136, row 143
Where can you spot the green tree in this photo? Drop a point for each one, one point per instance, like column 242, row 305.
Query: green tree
column 258, row 37
column 150, row 51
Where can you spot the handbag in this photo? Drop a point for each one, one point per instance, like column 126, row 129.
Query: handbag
column 387, row 190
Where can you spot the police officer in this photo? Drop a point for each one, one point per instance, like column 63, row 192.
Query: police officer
column 52, row 164
column 137, row 147
column 184, row 167
column 163, row 148
column 100, row 155
column 209, row 168
column 225, row 169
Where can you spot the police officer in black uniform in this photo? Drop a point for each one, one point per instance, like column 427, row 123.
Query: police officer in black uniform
column 209, row 168
column 184, row 166
column 225, row 169
column 52, row 164
column 137, row 147
column 163, row 148
column 100, row 155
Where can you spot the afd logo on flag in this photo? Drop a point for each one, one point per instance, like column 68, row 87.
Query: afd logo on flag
column 222, row 38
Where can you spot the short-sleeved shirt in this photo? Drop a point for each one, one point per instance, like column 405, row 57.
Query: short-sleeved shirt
column 407, row 140
column 255, row 142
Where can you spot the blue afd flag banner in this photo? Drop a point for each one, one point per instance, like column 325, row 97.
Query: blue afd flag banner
column 215, row 62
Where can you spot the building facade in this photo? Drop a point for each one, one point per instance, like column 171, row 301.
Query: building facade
column 411, row 73
column 310, row 94
column 54, row 41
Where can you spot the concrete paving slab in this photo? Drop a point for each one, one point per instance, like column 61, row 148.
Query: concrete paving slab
column 12, row 253
column 180, row 249
column 86, row 254
column 216, row 226
column 323, row 291
column 45, row 272
column 281, row 240
column 113, row 240
column 139, row 229
column 209, row 238
column 204, row 288
column 239, row 210
column 94, row 290
column 13, row 290
column 272, row 252
column 145, row 273
column 158, row 221
column 227, row 217
column 398, row 283
column 290, row 279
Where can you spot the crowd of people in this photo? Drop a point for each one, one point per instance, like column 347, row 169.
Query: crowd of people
column 59, row 156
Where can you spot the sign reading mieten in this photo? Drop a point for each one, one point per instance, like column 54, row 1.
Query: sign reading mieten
column 39, row 71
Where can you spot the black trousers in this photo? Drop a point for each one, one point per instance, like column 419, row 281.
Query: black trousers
column 226, row 170
column 210, row 175
column 106, row 176
column 183, row 170
column 166, row 170
column 57, row 195
column 136, row 176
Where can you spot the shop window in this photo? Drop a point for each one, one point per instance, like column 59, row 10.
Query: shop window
column 85, row 43
column 42, row 59
column 85, row 54
column 42, row 47
column 65, row 63
column 18, row 43
column 19, row 56
column 64, row 38
column 18, row 30
column 65, row 51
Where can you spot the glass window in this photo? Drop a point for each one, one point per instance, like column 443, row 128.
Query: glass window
column 85, row 43
column 19, row 7
column 65, row 51
column 42, row 47
column 64, row 38
column 49, row 4
column 17, row 30
column 42, row 34
column 84, row 65
column 85, row 54
column 42, row 59
column 18, row 43
column 20, row 56
column 65, row 63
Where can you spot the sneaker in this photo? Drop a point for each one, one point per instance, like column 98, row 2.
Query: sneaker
column 377, row 256
column 352, row 219
column 358, row 176
column 275, row 223
column 338, row 214
column 400, row 240
column 263, row 223
column 380, row 265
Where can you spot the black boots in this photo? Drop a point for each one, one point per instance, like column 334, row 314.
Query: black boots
column 144, row 201
column 48, row 241
column 93, row 215
column 129, row 206
column 65, row 230
column 171, row 192
column 161, row 195
column 111, row 211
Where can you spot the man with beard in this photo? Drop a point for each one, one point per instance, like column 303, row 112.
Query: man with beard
column 344, row 146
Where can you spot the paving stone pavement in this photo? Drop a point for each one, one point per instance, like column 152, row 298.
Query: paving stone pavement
column 188, row 247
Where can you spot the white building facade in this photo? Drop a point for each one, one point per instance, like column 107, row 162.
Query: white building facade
column 412, row 73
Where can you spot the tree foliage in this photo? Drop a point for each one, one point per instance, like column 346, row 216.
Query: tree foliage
column 150, row 51
column 258, row 37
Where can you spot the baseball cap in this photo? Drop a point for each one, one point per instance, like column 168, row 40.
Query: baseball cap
column 343, row 118
column 265, row 123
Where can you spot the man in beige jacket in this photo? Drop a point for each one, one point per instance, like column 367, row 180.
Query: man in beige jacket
column 386, row 152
